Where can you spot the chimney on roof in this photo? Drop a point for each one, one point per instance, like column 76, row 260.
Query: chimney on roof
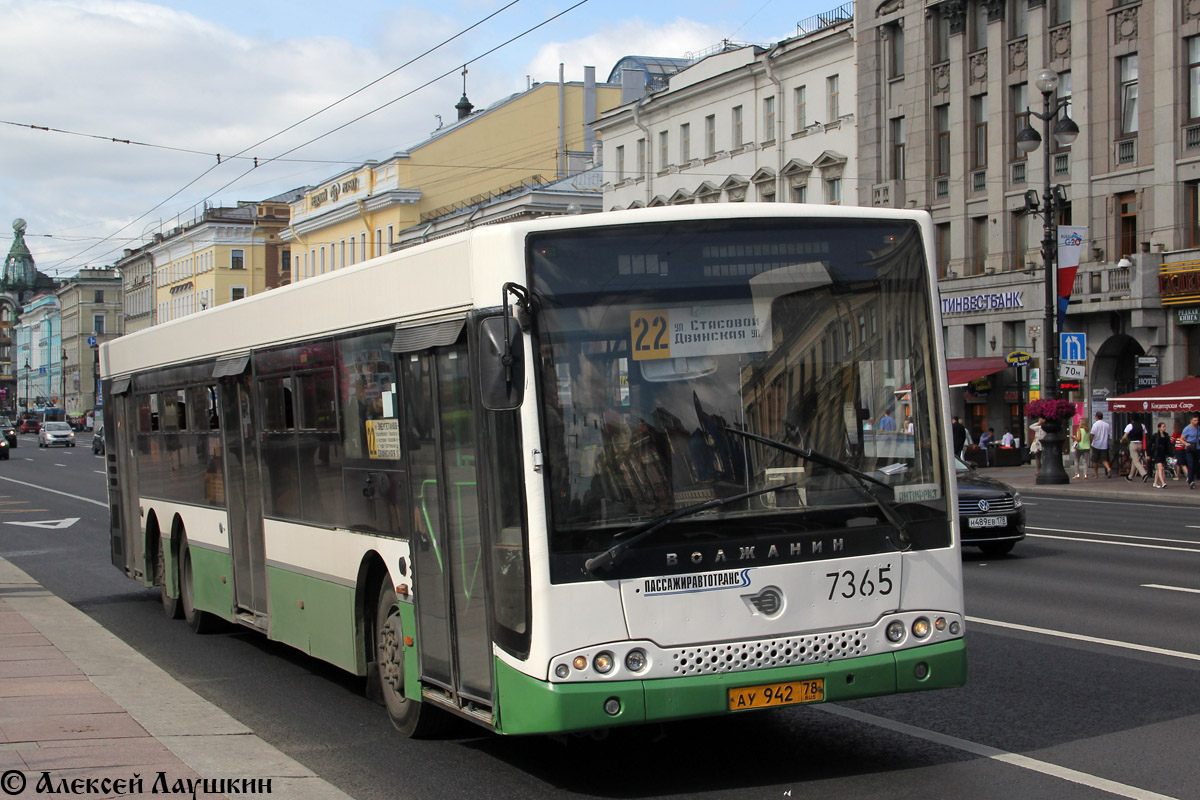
column 464, row 105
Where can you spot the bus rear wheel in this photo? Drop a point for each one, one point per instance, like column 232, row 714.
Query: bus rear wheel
column 199, row 621
column 171, row 606
column 410, row 717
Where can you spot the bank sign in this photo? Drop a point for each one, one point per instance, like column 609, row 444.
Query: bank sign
column 984, row 301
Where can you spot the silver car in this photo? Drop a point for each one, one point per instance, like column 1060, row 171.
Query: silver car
column 53, row 433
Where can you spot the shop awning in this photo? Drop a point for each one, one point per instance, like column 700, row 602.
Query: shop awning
column 1181, row 395
column 962, row 371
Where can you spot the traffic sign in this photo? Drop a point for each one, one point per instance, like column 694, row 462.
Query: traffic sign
column 1072, row 347
column 1071, row 371
column 91, row 340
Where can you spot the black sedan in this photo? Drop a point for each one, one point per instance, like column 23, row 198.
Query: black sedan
column 9, row 431
column 990, row 512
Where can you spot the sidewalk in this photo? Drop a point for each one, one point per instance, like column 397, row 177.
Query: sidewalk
column 1114, row 488
column 82, row 713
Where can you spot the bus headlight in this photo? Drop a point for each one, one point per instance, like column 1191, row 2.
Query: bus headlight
column 920, row 627
column 580, row 662
column 895, row 631
column 635, row 660
column 562, row 670
column 603, row 663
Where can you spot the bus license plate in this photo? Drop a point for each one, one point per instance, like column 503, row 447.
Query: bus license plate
column 986, row 522
column 777, row 694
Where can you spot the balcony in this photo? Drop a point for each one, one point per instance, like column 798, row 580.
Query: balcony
column 1126, row 152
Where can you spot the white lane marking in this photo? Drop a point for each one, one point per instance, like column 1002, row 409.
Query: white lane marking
column 1116, row 544
column 55, row 491
column 1015, row 759
column 1079, row 637
column 49, row 524
column 1170, row 588
column 99, row 472
column 1122, row 535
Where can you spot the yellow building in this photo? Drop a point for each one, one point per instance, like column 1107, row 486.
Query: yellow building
column 527, row 139
column 225, row 255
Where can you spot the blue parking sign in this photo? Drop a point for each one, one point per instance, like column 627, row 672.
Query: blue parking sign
column 1072, row 347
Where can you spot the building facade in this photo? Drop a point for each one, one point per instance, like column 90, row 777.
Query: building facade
column 944, row 88
column 525, row 141
column 39, row 355
column 225, row 255
column 92, row 311
column 136, row 268
column 744, row 123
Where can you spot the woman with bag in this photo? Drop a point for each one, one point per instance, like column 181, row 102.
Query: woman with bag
column 1160, row 447
column 1035, row 447
column 1081, row 444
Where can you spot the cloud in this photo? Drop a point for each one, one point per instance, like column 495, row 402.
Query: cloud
column 147, row 73
column 604, row 48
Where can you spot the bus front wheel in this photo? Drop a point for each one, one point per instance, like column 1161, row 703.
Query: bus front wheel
column 410, row 717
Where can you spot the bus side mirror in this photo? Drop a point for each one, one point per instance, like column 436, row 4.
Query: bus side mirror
column 501, row 365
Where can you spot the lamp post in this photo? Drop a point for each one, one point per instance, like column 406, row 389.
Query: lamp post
column 27, row 404
column 1028, row 140
column 62, row 380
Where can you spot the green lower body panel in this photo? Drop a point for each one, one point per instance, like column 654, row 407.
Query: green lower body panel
column 527, row 705
column 212, row 581
column 316, row 616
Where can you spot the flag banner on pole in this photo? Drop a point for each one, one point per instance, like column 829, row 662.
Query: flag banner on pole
column 1070, row 248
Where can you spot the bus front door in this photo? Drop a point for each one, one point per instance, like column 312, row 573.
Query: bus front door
column 242, row 481
column 455, row 647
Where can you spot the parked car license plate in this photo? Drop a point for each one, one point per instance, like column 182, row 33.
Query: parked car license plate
column 986, row 522
column 777, row 694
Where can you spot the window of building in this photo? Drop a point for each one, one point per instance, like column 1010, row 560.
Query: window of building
column 321, row 251
column 391, row 238
column 362, row 243
column 98, row 323
column 941, row 127
column 833, row 191
column 736, row 130
column 800, row 193
column 352, row 246
column 941, row 233
column 1064, row 93
column 1192, row 46
column 1019, row 100
column 342, row 253
column 1020, row 241
column 378, row 241
column 1060, row 11
column 831, row 86
column 664, row 149
column 237, row 259
column 1018, row 20
column 768, row 131
column 641, row 158
column 979, row 245
column 620, row 165
column 237, row 292
column 941, row 36
column 685, row 143
column 1127, row 94
column 979, row 138
column 973, row 340
column 99, row 296
column 1191, row 223
column 710, row 135
column 894, row 45
column 801, row 108
column 896, row 134
column 1126, row 224
column 977, row 26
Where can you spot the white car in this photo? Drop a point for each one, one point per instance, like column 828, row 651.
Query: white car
column 53, row 433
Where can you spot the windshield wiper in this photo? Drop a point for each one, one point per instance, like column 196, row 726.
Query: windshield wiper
column 860, row 481
column 640, row 531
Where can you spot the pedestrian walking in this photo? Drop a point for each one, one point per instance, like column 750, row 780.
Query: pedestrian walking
column 959, row 432
column 1160, row 447
column 1133, row 435
column 1082, row 443
column 1181, row 467
column 1191, row 444
column 1101, row 431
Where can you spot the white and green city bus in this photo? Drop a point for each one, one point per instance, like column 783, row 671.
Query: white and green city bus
column 566, row 474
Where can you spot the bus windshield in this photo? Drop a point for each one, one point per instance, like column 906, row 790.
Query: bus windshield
column 654, row 341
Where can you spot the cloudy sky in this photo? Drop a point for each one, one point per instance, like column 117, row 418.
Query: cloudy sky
column 184, row 80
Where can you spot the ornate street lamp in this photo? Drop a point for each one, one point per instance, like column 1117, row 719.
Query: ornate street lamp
column 27, row 404
column 1028, row 140
column 62, row 379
